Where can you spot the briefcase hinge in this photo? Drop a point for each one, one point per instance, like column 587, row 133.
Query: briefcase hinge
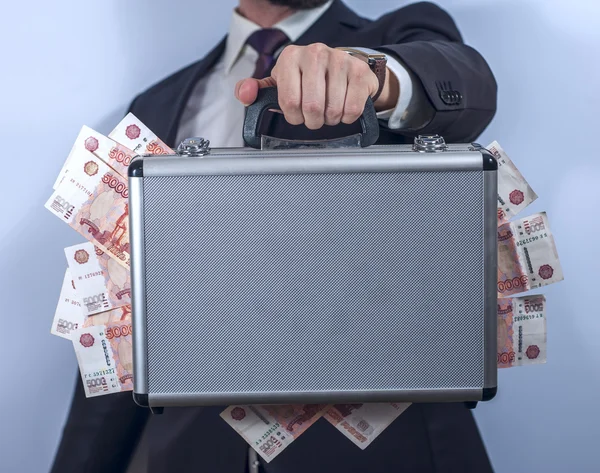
column 194, row 147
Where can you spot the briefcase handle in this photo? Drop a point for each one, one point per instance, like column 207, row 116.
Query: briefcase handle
column 267, row 99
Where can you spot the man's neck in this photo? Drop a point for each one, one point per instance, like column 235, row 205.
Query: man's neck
column 263, row 12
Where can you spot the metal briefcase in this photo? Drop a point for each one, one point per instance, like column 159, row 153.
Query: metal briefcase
column 314, row 275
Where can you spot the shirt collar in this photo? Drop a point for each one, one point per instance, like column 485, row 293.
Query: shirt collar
column 241, row 28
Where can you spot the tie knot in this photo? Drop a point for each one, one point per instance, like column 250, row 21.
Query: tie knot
column 267, row 41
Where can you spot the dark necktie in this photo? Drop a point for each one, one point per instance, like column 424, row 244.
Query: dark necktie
column 266, row 42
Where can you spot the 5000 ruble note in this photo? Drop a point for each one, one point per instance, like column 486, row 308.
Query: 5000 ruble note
column 527, row 256
column 133, row 134
column 270, row 429
column 514, row 192
column 93, row 200
column 102, row 283
column 112, row 153
column 362, row 423
column 521, row 331
column 105, row 358
column 68, row 315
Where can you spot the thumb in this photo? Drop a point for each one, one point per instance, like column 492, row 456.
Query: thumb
column 246, row 90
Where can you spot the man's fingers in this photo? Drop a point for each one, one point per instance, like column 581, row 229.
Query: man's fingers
column 362, row 84
column 337, row 83
column 289, row 88
column 246, row 90
column 313, row 68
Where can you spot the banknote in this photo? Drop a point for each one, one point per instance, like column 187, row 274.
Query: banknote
column 121, row 314
column 521, row 331
column 102, row 283
column 527, row 256
column 68, row 315
column 133, row 134
column 270, row 429
column 105, row 358
column 362, row 423
column 112, row 153
column 514, row 192
column 93, row 200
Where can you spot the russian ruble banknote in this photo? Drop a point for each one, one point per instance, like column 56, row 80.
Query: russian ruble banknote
column 133, row 134
column 93, row 200
column 112, row 150
column 269, row 429
column 105, row 357
column 112, row 153
column 514, row 192
column 527, row 256
column 121, row 314
column 101, row 282
column 521, row 331
column 68, row 315
column 362, row 423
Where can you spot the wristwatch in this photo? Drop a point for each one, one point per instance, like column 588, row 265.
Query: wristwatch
column 377, row 62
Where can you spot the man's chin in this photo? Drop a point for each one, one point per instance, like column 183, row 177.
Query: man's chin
column 299, row 4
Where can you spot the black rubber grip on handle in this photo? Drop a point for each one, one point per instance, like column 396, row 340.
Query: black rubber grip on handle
column 267, row 99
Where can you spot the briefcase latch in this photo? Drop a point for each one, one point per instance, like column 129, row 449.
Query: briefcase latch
column 193, row 147
column 429, row 143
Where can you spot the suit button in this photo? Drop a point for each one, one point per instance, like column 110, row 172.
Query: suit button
column 448, row 95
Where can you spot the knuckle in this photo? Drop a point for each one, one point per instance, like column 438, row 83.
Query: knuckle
column 318, row 52
column 351, row 112
column 317, row 48
column 313, row 108
column 293, row 119
column 288, row 51
column 333, row 113
column 290, row 102
column 361, row 70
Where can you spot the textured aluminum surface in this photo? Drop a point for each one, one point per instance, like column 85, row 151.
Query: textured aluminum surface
column 314, row 283
column 138, row 285
column 490, row 203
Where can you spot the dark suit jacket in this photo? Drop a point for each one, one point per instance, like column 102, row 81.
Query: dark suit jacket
column 101, row 433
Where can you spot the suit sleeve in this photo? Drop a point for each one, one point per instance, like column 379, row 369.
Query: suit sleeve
column 100, row 434
column 456, row 80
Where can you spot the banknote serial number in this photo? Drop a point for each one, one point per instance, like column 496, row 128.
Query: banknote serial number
column 99, row 373
column 268, row 433
column 520, row 318
column 531, row 239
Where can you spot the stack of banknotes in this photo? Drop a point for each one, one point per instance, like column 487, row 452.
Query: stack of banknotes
column 94, row 307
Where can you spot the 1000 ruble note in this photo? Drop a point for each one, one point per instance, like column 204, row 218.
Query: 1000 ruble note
column 102, row 283
column 93, row 200
column 105, row 357
column 270, row 429
column 527, row 256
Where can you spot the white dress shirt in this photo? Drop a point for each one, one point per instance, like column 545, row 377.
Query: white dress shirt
column 214, row 113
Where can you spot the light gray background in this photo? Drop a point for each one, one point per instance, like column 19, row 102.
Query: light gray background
column 68, row 63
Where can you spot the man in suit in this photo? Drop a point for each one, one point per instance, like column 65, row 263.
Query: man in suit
column 432, row 83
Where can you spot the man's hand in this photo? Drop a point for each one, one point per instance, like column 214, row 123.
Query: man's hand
column 319, row 85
